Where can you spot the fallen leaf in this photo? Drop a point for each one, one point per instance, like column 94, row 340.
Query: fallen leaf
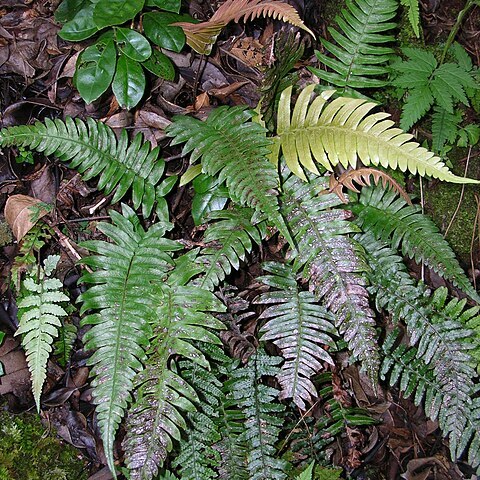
column 20, row 215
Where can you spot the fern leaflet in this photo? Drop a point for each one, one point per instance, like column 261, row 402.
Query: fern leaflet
column 445, row 127
column 359, row 59
column 342, row 132
column 300, row 328
column 413, row 14
column 39, row 319
column 92, row 147
column 403, row 226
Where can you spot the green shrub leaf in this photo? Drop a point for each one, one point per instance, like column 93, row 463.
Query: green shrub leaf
column 81, row 26
column 95, row 70
column 129, row 82
column 160, row 65
column 132, row 44
column 168, row 5
column 115, row 12
column 157, row 28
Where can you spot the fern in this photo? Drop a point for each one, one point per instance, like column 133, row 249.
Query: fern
column 342, row 132
column 122, row 302
column 300, row 328
column 64, row 345
column 445, row 127
column 413, row 14
column 358, row 57
column 201, row 36
column 403, row 226
column 229, row 239
column 429, row 83
column 39, row 319
column 443, row 343
column 92, row 147
column 332, row 263
column 235, row 149
column 262, row 415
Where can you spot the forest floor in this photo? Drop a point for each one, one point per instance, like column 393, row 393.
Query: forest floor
column 36, row 69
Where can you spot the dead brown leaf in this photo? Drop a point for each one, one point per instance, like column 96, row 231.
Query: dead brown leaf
column 19, row 214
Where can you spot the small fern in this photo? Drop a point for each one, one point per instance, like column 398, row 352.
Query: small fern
column 342, row 132
column 39, row 320
column 359, row 55
column 235, row 149
column 64, row 345
column 445, row 127
column 332, row 263
column 413, row 13
column 93, row 149
column 300, row 328
column 403, row 226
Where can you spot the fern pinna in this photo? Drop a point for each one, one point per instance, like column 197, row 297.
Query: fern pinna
column 39, row 314
column 92, row 149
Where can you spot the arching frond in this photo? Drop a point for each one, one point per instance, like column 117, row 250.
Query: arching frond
column 342, row 131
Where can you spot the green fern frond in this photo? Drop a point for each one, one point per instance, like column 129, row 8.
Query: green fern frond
column 359, row 54
column 229, row 239
column 445, row 127
column 39, row 320
column 300, row 328
column 64, row 345
column 341, row 131
column 403, row 226
column 181, row 318
column 413, row 15
column 93, row 149
column 263, row 423
column 236, row 149
column 332, row 263
column 442, row 342
column 121, row 302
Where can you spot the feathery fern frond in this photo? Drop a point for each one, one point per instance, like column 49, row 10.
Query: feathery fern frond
column 442, row 342
column 359, row 56
column 64, row 345
column 413, row 14
column 181, row 318
column 229, row 240
column 332, row 263
column 341, row 131
column 235, row 149
column 445, row 127
column 361, row 176
column 202, row 36
column 403, row 226
column 300, row 328
column 262, row 421
column 92, row 147
column 121, row 301
column 39, row 319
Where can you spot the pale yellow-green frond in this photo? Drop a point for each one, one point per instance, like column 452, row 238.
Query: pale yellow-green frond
column 329, row 132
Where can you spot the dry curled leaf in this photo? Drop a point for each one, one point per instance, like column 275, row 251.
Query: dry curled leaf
column 361, row 176
column 22, row 213
column 202, row 36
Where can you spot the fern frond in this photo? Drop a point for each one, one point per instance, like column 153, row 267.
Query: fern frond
column 181, row 318
column 64, row 345
column 92, row 148
column 403, row 226
column 236, row 149
column 39, row 320
column 202, row 36
column 413, row 15
column 445, row 127
column 361, row 176
column 263, row 422
column 441, row 340
column 332, row 263
column 300, row 328
column 341, row 131
column 229, row 240
column 121, row 302
column 358, row 56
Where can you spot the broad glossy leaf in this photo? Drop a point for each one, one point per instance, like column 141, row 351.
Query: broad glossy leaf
column 168, row 5
column 157, row 28
column 133, row 44
column 115, row 12
column 67, row 10
column 95, row 70
column 129, row 82
column 80, row 27
column 160, row 65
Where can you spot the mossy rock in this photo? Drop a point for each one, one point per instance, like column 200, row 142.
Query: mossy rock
column 28, row 453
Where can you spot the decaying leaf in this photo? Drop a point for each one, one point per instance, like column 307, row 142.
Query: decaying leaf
column 22, row 213
column 202, row 36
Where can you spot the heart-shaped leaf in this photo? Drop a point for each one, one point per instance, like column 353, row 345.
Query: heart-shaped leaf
column 129, row 82
column 157, row 28
column 115, row 12
column 133, row 44
column 95, row 70
column 160, row 65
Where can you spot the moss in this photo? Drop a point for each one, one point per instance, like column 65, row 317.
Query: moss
column 28, row 453
column 5, row 234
